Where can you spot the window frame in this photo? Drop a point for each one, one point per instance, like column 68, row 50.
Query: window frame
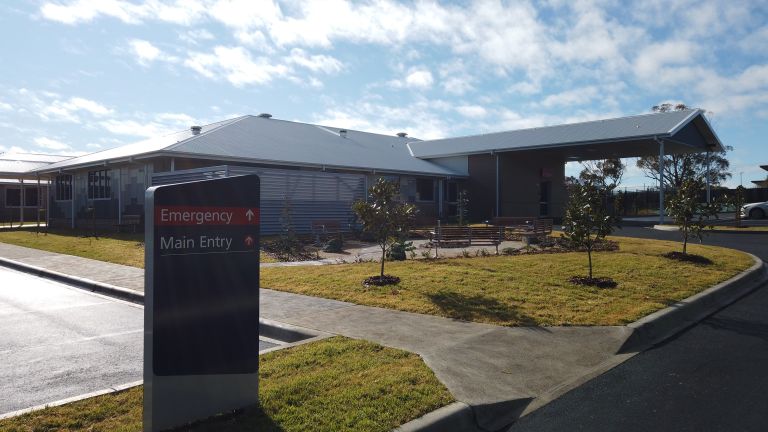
column 23, row 196
column 59, row 186
column 418, row 191
column 99, row 185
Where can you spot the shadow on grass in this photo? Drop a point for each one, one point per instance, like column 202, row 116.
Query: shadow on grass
column 478, row 307
column 687, row 257
column 251, row 418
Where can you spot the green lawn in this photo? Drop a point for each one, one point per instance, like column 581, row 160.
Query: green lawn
column 125, row 248
column 527, row 289
column 743, row 228
column 336, row 384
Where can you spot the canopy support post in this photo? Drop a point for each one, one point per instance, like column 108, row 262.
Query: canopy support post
column 661, row 181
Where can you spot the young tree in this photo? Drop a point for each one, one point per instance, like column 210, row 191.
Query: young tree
column 587, row 220
column 737, row 200
column 383, row 217
column 679, row 167
column 689, row 212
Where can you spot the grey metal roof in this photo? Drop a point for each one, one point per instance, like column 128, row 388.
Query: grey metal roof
column 21, row 163
column 280, row 141
column 267, row 140
column 634, row 128
column 123, row 153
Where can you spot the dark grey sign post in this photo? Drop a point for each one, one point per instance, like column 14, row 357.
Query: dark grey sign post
column 201, row 310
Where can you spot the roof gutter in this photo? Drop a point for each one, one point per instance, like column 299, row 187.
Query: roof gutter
column 542, row 147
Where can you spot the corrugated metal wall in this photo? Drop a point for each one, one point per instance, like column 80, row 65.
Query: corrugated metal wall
column 309, row 195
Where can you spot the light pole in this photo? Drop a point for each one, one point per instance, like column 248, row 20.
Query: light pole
column 741, row 178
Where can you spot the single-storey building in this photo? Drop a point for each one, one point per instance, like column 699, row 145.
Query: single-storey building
column 312, row 172
column 23, row 193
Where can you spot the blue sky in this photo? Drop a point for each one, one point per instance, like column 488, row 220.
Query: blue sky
column 79, row 76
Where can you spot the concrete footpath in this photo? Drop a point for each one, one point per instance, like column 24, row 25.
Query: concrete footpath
column 498, row 372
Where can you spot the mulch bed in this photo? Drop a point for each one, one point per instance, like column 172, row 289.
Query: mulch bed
column 381, row 281
column 692, row 258
column 603, row 282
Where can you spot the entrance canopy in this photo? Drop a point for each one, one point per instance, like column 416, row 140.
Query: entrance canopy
column 686, row 131
column 18, row 165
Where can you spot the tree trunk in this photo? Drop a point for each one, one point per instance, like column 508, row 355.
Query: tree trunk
column 383, row 254
column 589, row 254
column 685, row 239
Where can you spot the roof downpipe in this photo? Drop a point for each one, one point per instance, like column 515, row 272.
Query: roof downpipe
column 196, row 130
column 343, row 133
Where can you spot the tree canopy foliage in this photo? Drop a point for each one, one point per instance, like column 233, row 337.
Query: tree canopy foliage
column 383, row 217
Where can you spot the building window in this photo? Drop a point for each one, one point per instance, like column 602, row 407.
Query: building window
column 545, row 192
column 12, row 197
column 30, row 197
column 98, row 185
column 63, row 185
column 425, row 190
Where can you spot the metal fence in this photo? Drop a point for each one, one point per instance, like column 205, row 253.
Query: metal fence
column 300, row 196
column 646, row 201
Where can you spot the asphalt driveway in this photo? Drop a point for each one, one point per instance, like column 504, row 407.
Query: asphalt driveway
column 59, row 342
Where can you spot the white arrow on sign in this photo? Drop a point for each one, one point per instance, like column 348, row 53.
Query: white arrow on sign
column 249, row 215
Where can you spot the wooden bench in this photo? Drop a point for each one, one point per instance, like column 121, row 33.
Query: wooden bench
column 467, row 236
column 324, row 229
column 525, row 227
column 129, row 220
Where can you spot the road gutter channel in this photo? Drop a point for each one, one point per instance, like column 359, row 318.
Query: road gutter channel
column 647, row 332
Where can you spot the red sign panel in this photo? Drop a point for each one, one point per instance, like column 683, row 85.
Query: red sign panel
column 205, row 216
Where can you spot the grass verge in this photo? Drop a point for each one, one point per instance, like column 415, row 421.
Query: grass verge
column 119, row 248
column 337, row 384
column 527, row 289
column 739, row 229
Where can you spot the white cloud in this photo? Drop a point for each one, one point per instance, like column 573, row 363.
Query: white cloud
column 577, row 96
column 51, row 144
column 236, row 65
column 525, row 88
column 5, row 106
column 145, row 52
column 419, row 78
column 416, row 78
column 315, row 63
column 134, row 128
column 69, row 110
column 183, row 12
column 195, row 36
column 472, row 111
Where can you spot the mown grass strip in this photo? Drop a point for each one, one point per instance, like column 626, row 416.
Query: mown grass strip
column 527, row 289
column 119, row 248
column 337, row 384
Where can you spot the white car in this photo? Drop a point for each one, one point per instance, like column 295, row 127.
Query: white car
column 757, row 210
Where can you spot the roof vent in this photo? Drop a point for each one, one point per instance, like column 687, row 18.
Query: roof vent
column 196, row 130
column 402, row 134
column 343, row 133
column 265, row 115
